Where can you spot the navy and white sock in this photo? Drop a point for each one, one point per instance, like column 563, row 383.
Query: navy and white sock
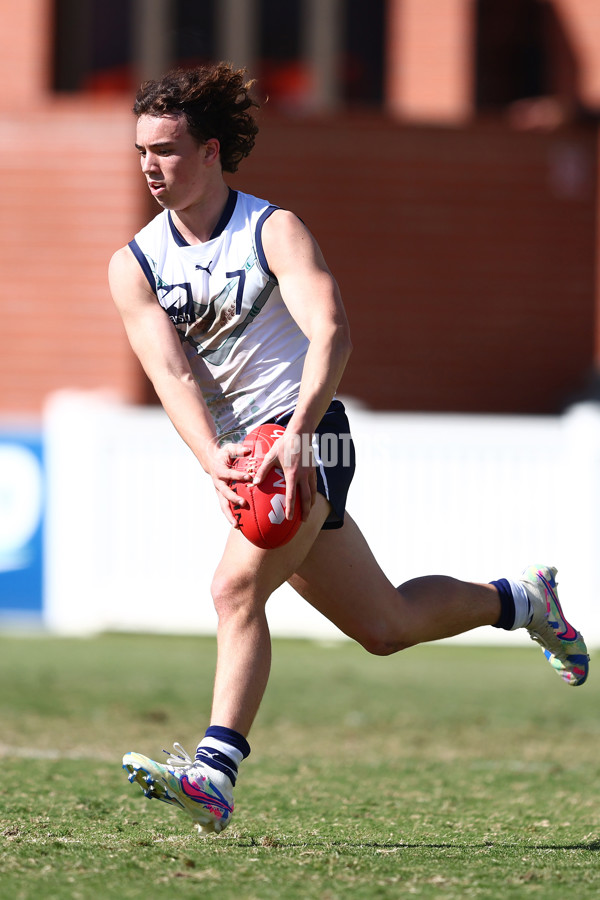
column 223, row 749
column 515, row 606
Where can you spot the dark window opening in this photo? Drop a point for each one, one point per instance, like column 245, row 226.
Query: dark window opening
column 281, row 71
column 525, row 63
column 512, row 51
column 93, row 45
column 195, row 29
column 364, row 52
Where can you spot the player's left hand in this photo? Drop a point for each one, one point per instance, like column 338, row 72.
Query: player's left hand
column 294, row 454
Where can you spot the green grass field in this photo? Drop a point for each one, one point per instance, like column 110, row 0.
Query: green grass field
column 444, row 772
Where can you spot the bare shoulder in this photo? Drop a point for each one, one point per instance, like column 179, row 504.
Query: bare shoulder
column 126, row 279
column 284, row 225
column 287, row 241
column 123, row 264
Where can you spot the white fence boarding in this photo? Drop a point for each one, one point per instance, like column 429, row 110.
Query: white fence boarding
column 134, row 530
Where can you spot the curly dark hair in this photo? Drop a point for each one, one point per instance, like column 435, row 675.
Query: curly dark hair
column 215, row 101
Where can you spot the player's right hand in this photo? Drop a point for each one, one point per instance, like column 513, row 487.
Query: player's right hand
column 223, row 474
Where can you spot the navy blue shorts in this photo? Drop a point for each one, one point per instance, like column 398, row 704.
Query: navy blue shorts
column 334, row 457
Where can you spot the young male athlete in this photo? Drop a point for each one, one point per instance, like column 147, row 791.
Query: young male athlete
column 236, row 319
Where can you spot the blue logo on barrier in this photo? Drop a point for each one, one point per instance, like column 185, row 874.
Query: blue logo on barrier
column 21, row 523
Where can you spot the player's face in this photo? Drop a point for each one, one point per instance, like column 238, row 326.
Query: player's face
column 172, row 161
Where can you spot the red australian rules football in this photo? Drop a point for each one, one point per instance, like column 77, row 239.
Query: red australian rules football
column 264, row 522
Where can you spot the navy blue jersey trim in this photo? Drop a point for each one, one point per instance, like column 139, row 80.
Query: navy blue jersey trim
column 225, row 215
column 177, row 237
column 135, row 249
column 219, row 227
column 259, row 245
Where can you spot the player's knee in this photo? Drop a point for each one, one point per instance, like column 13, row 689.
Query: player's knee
column 232, row 593
column 381, row 648
column 227, row 592
column 383, row 640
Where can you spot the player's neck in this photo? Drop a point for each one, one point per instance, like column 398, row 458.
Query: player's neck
column 196, row 223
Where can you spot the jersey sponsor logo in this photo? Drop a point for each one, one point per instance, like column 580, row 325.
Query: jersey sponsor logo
column 195, row 320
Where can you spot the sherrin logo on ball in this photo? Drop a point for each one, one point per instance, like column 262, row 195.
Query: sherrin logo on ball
column 264, row 523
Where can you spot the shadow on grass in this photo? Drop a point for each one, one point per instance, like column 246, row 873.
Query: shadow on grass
column 592, row 846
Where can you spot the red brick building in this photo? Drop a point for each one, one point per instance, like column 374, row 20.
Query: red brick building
column 450, row 173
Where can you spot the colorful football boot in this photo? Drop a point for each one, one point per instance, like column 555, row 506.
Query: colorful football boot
column 563, row 646
column 203, row 792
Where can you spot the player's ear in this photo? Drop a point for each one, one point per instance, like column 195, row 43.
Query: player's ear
column 212, row 150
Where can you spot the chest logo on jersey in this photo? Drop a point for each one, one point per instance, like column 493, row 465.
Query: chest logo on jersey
column 183, row 308
column 177, row 300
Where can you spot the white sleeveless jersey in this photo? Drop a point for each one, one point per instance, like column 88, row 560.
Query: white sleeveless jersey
column 244, row 348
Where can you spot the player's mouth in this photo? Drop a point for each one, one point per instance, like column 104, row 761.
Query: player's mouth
column 156, row 187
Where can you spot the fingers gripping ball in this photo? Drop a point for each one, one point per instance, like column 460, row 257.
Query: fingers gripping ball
column 264, row 522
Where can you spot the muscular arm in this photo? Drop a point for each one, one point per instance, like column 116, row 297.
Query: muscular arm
column 313, row 298
column 155, row 342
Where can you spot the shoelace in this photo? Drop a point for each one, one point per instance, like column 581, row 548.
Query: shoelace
column 180, row 759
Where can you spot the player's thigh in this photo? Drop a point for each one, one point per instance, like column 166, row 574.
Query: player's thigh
column 246, row 572
column 342, row 579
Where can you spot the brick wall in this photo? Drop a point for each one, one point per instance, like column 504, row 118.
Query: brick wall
column 466, row 257
column 429, row 57
column 581, row 21
column 69, row 199
column 25, row 52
